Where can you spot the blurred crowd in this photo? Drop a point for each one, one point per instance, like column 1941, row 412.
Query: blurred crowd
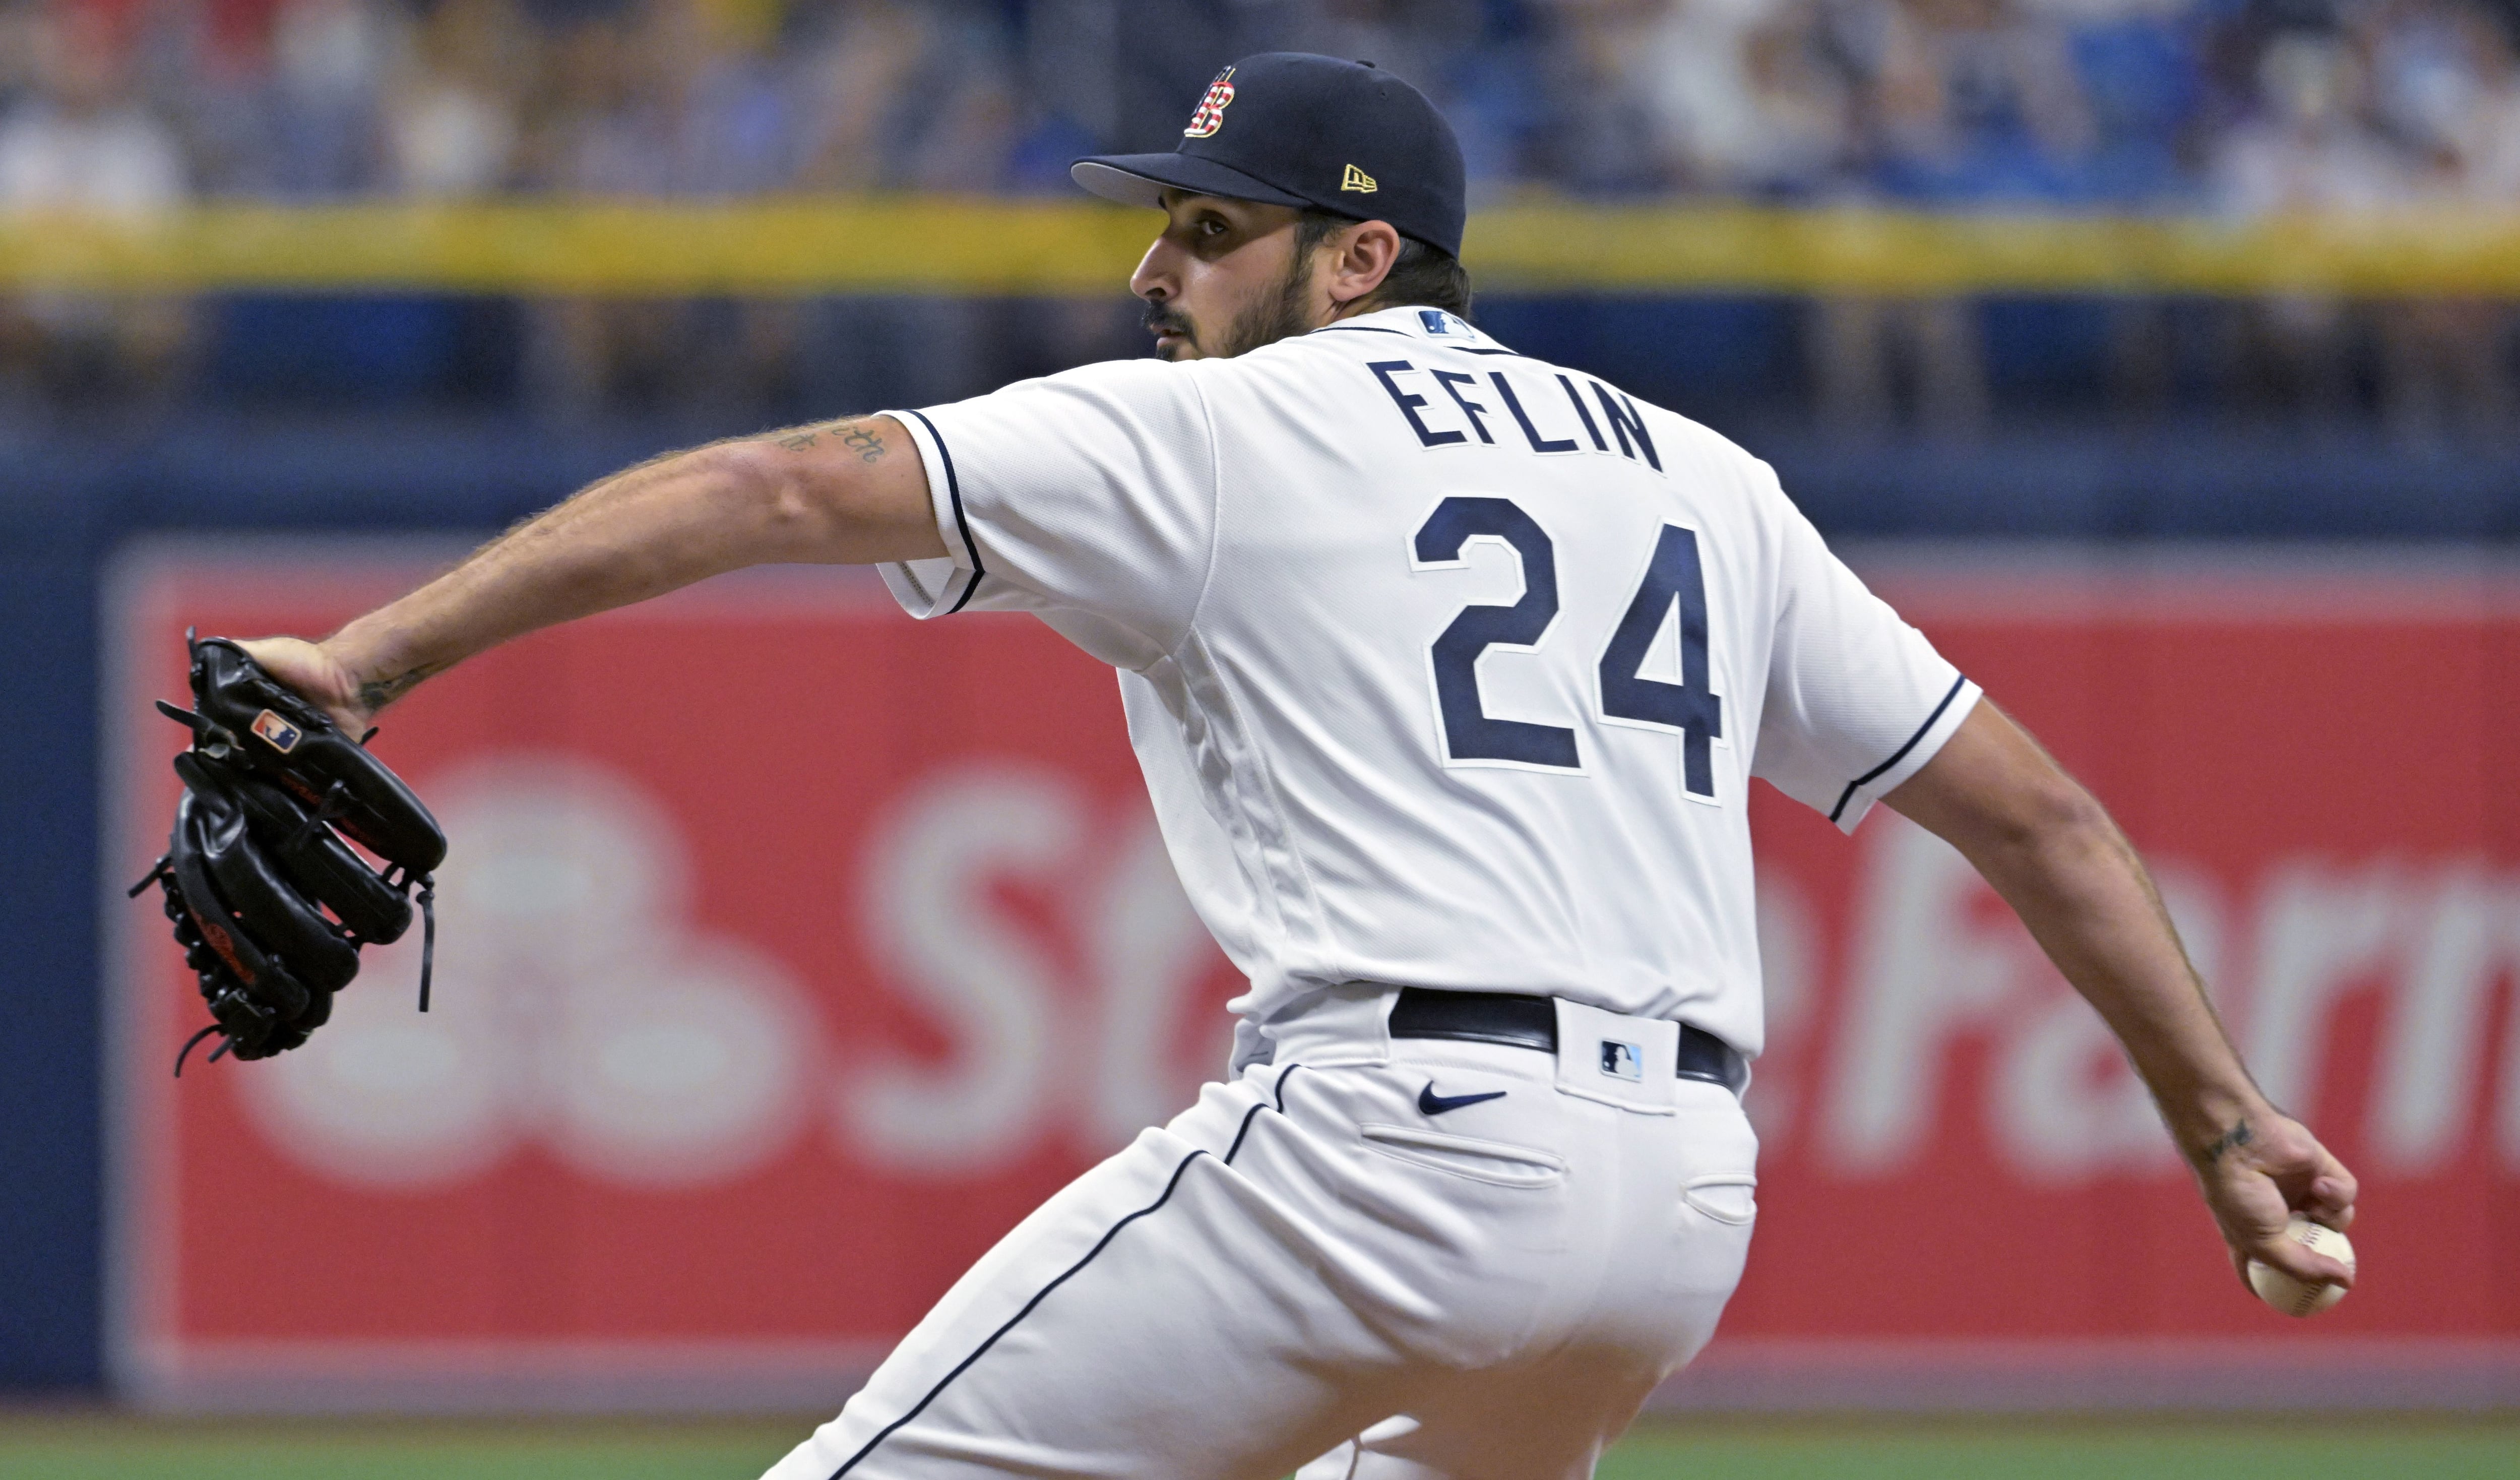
column 2242, row 106
column 2248, row 104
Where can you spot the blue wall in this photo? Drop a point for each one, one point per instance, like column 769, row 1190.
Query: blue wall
column 63, row 513
column 49, row 1190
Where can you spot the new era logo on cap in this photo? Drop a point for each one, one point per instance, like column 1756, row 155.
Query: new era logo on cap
column 1210, row 115
column 1357, row 180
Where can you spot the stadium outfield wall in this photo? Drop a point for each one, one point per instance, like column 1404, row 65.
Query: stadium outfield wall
column 760, row 1014
column 2308, row 738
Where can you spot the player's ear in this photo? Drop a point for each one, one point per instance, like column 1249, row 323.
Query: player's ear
column 1361, row 257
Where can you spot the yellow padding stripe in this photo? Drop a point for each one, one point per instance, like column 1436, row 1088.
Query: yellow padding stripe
column 1914, row 252
column 961, row 245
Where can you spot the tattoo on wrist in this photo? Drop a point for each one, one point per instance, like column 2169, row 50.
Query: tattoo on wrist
column 376, row 694
column 2229, row 1141
column 859, row 438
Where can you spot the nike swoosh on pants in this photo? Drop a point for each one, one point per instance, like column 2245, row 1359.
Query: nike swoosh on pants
column 1432, row 1103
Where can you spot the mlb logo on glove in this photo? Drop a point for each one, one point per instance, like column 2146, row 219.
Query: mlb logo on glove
column 278, row 733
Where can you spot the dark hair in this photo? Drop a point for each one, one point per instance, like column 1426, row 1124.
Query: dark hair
column 1420, row 275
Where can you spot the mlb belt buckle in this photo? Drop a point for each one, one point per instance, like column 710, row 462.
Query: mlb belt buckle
column 1531, row 1022
column 1617, row 1059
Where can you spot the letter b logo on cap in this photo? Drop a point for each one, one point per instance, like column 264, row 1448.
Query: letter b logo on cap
column 1210, row 115
column 1306, row 136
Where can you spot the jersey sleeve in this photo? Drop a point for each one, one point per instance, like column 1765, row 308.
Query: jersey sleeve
column 1092, row 493
column 1857, row 699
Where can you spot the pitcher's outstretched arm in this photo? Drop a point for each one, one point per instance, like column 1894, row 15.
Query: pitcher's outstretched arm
column 848, row 492
column 2053, row 852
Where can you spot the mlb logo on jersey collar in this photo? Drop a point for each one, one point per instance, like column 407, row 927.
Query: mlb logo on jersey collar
column 1419, row 324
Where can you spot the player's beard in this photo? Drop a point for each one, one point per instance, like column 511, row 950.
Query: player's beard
column 1278, row 312
column 1282, row 314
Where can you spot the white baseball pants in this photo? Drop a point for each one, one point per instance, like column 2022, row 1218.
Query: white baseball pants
column 1309, row 1261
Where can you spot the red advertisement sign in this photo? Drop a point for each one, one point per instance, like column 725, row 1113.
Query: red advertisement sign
column 790, row 951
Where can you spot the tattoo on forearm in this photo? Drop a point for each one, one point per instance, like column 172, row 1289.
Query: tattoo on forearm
column 376, row 694
column 859, row 438
column 2229, row 1141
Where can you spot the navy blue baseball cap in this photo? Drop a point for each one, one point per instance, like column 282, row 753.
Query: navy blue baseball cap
column 1289, row 129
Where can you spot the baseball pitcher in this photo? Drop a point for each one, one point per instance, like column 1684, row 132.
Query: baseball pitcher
column 1450, row 670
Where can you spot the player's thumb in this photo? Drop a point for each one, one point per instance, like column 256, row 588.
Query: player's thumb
column 2283, row 1251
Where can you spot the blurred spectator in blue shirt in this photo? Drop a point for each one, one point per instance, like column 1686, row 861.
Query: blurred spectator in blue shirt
column 329, row 60
column 1978, row 99
column 1475, row 58
column 2145, row 84
column 658, row 102
column 1970, row 102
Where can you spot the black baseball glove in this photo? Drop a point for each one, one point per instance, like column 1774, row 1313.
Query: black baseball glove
column 269, row 904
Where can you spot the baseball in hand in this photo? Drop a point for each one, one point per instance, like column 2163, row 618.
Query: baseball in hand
column 2295, row 1297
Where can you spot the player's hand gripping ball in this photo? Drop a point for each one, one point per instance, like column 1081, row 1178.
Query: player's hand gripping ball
column 2298, row 1297
column 269, row 902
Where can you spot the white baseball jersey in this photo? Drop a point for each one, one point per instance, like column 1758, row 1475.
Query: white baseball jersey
column 1446, row 666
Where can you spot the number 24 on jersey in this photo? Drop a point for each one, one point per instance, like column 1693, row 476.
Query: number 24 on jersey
column 1674, row 577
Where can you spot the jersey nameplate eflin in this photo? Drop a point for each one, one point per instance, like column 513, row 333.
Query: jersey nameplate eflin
column 1537, row 418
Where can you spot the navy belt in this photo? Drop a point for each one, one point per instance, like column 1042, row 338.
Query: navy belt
column 1531, row 1022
